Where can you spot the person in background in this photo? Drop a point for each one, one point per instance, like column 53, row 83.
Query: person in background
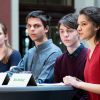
column 71, row 62
column 89, row 30
column 8, row 56
column 40, row 59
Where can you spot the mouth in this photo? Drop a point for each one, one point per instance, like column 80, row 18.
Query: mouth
column 32, row 35
column 80, row 33
column 67, row 41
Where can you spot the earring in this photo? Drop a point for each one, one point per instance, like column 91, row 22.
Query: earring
column 26, row 31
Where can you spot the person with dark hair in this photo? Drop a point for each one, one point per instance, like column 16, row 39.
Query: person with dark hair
column 40, row 59
column 89, row 30
column 71, row 62
column 8, row 56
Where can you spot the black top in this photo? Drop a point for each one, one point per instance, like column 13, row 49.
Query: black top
column 13, row 61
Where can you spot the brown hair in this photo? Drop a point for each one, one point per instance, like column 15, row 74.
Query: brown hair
column 43, row 16
column 8, row 47
column 69, row 20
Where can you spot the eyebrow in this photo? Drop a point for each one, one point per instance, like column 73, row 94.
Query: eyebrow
column 67, row 28
column 82, row 21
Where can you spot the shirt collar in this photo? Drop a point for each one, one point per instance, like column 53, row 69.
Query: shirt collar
column 77, row 51
column 43, row 45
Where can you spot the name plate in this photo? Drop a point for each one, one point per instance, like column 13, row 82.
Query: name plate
column 21, row 79
column 3, row 78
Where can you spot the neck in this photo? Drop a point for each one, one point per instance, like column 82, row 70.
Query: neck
column 72, row 48
column 39, row 42
column 91, row 42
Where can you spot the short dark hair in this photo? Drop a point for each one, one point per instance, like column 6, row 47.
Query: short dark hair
column 93, row 14
column 69, row 20
column 43, row 16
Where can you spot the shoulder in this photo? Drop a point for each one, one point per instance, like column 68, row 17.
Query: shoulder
column 30, row 51
column 15, row 53
column 54, row 47
column 59, row 61
column 84, row 49
column 55, row 51
column 61, row 57
column 29, row 54
column 14, row 58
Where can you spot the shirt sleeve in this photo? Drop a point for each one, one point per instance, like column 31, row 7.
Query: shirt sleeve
column 18, row 68
column 57, row 70
column 14, row 58
column 47, row 74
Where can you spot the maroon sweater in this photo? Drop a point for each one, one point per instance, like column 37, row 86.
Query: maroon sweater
column 72, row 64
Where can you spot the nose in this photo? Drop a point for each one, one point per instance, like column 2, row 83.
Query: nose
column 32, row 28
column 66, row 34
column 78, row 28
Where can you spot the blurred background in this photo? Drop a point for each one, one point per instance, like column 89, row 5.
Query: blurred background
column 13, row 13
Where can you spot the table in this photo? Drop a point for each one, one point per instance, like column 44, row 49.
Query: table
column 37, row 93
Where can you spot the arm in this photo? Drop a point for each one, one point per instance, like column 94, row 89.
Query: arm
column 14, row 58
column 20, row 67
column 57, row 70
column 47, row 73
column 95, row 88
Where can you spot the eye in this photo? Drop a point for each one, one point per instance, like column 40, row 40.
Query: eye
column 83, row 24
column 70, row 31
column 37, row 26
column 61, row 31
column 28, row 26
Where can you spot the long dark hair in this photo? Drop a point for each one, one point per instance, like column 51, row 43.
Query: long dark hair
column 93, row 14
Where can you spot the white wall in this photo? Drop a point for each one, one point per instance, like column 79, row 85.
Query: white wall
column 15, row 24
column 79, row 4
column 97, row 3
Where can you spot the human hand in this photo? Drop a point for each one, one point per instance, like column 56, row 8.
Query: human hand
column 71, row 81
column 12, row 67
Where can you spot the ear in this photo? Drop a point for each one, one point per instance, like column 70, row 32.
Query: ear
column 46, row 29
column 97, row 28
column 26, row 31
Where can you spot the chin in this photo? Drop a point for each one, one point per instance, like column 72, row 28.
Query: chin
column 33, row 39
column 81, row 38
column 68, row 45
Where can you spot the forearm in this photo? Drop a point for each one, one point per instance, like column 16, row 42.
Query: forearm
column 95, row 88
